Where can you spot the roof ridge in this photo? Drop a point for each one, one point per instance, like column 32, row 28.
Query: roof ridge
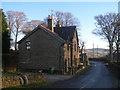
column 46, row 30
column 52, row 33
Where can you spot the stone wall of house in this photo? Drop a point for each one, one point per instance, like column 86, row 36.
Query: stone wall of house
column 75, row 51
column 45, row 52
column 11, row 81
column 67, row 58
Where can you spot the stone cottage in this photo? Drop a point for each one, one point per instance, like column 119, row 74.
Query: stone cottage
column 51, row 47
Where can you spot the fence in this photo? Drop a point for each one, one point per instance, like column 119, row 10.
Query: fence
column 9, row 62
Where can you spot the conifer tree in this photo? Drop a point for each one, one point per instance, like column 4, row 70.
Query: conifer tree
column 5, row 34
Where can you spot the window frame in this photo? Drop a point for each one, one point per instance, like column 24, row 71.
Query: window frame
column 28, row 44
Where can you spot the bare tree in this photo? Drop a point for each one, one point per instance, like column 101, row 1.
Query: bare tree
column 59, row 17
column 68, row 19
column 10, row 19
column 117, row 40
column 29, row 26
column 15, row 21
column 82, row 45
column 65, row 18
column 106, row 29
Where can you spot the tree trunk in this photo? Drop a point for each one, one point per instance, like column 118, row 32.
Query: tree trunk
column 111, row 51
column 16, row 40
column 118, row 52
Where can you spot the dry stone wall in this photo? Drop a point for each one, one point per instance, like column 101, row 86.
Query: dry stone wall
column 12, row 81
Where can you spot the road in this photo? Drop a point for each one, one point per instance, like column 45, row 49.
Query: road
column 97, row 76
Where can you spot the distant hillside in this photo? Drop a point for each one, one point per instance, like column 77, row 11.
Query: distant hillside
column 98, row 52
column 99, row 49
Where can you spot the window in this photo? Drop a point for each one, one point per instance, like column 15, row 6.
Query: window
column 67, row 46
column 75, row 47
column 28, row 45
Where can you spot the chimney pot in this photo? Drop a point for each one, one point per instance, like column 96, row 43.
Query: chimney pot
column 58, row 24
column 50, row 23
column 49, row 17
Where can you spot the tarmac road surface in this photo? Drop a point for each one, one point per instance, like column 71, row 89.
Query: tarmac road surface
column 97, row 76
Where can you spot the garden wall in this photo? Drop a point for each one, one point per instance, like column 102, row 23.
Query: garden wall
column 115, row 68
column 11, row 81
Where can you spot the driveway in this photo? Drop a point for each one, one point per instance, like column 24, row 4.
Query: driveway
column 55, row 78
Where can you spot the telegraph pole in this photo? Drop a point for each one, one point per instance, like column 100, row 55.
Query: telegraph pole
column 97, row 51
column 93, row 50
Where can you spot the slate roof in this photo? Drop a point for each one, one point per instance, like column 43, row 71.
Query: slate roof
column 67, row 33
column 53, row 34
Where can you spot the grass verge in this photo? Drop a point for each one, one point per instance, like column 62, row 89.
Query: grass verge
column 82, row 70
column 9, row 74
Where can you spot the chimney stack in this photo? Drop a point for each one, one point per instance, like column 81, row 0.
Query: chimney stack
column 50, row 23
column 58, row 24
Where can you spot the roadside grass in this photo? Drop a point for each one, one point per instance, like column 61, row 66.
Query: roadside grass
column 8, row 74
column 82, row 70
column 0, row 74
column 12, row 73
column 34, row 85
